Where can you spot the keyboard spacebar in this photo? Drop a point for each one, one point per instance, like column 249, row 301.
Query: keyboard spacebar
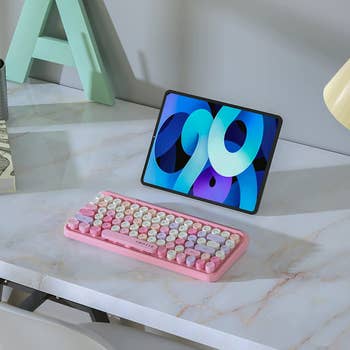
column 128, row 241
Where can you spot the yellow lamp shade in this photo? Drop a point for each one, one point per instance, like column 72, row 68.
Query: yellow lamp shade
column 336, row 95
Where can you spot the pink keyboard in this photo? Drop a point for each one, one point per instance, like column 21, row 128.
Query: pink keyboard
column 185, row 244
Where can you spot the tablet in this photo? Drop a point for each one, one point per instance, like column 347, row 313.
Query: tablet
column 211, row 151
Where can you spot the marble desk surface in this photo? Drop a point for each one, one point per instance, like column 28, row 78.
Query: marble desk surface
column 290, row 291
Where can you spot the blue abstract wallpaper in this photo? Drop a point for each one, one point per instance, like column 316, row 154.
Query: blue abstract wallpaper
column 211, row 151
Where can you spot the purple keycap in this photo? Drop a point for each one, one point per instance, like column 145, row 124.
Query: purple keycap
column 225, row 249
column 84, row 218
column 192, row 238
column 161, row 235
column 201, row 234
column 174, row 225
column 216, row 238
column 190, row 260
column 189, row 244
column 204, row 249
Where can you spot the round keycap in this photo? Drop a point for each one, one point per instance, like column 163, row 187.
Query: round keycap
column 124, row 231
column 170, row 245
column 164, row 222
column 183, row 228
column 230, row 243
column 189, row 244
column 173, row 232
column 102, row 204
column 108, row 199
column 102, row 210
column 170, row 217
column 182, row 235
column 225, row 234
column 119, row 215
column 151, row 239
column 73, row 223
column 225, row 249
column 116, row 221
column 202, row 234
column 201, row 240
column 156, row 220
column 180, row 241
column 164, row 229
column 200, row 264
column 161, row 235
column 190, row 260
column 117, row 201
column 180, row 258
column 138, row 214
column 205, row 256
column 129, row 218
column 110, row 212
column 179, row 248
column 197, row 225
column 129, row 212
column 215, row 231
column 120, row 209
column 111, row 206
column 235, row 237
column 170, row 238
column 206, row 228
column 125, row 224
column 138, row 221
column 155, row 226
column 134, row 206
column 160, row 242
column 106, row 225
column 152, row 212
column 97, row 223
column 142, row 236
column 115, row 228
column 143, row 209
column 209, row 267
column 152, row 233
column 213, row 244
column 174, row 225
column 95, row 231
column 146, row 223
column 220, row 254
column 143, row 229
column 107, row 219
column 171, row 254
column 147, row 217
column 133, row 233
column 84, row 228
column 161, row 214
column 179, row 220
column 192, row 238
column 126, row 204
column 188, row 222
column 191, row 231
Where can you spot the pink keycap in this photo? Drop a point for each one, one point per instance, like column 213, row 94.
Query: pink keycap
column 216, row 260
column 193, row 252
column 181, row 258
column 200, row 264
column 116, row 221
column 155, row 227
column 91, row 206
column 170, row 245
column 111, row 213
column 180, row 241
column 164, row 229
column 128, row 241
column 162, row 252
column 84, row 227
column 138, row 221
column 129, row 218
column 87, row 212
column 209, row 267
column 73, row 223
column 191, row 231
column 95, row 231
column 106, row 225
column 143, row 230
column 108, row 219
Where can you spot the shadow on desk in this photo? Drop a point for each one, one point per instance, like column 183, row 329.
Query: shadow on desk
column 306, row 191
column 270, row 254
column 42, row 161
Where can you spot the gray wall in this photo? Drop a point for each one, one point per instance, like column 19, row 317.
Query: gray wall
column 267, row 54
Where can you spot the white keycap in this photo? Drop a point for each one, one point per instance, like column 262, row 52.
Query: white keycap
column 152, row 239
column 143, row 209
column 146, row 223
column 115, row 228
column 133, row 233
column 183, row 228
column 182, row 235
column 134, row 227
column 215, row 231
column 102, row 210
column 97, row 223
column 156, row 220
column 170, row 238
column 173, row 232
column 201, row 240
column 117, row 201
column 111, row 206
column 188, row 223
column 134, row 206
column 152, row 233
column 99, row 216
column 120, row 209
column 225, row 234
column 179, row 248
column 161, row 214
column 170, row 217
column 164, row 222
column 220, row 254
column 108, row 199
column 171, row 254
column 179, row 220
column 213, row 244
column 119, row 215
column 147, row 217
column 160, row 242
column 230, row 243
column 138, row 214
column 206, row 228
column 125, row 224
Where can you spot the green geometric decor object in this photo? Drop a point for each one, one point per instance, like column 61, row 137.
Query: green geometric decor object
column 79, row 50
